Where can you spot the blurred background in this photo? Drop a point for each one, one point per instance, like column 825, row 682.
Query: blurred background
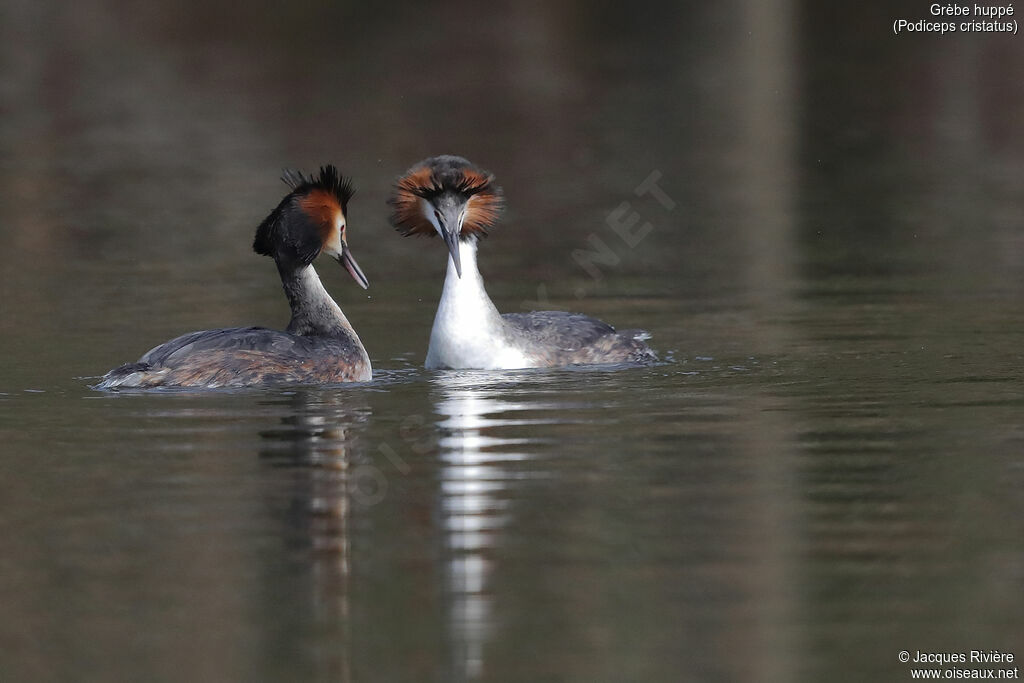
column 825, row 244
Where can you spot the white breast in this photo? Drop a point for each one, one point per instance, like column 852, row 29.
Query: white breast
column 467, row 330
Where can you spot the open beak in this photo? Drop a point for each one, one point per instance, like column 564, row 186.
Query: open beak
column 451, row 226
column 352, row 267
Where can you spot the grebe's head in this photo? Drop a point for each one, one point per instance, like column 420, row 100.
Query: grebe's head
column 446, row 196
column 311, row 219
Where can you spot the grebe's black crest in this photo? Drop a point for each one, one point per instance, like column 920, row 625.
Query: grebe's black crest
column 298, row 227
column 446, row 177
column 329, row 180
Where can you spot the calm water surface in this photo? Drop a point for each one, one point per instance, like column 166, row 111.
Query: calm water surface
column 826, row 469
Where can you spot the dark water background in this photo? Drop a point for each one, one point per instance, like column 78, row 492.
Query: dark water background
column 826, row 470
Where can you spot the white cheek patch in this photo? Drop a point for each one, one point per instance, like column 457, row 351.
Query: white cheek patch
column 428, row 212
column 333, row 245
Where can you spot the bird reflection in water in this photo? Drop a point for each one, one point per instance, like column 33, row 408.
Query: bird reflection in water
column 318, row 439
column 476, row 467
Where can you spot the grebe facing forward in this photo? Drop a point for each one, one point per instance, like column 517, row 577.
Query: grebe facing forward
column 319, row 345
column 451, row 197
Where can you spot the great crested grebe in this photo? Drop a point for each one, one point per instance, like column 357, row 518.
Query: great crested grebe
column 319, row 345
column 451, row 197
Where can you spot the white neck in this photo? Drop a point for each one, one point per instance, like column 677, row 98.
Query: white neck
column 468, row 331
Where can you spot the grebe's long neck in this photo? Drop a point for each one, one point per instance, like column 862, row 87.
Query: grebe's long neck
column 465, row 307
column 468, row 331
column 314, row 312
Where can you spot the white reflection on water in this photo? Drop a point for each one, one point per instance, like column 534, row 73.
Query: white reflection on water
column 476, row 468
